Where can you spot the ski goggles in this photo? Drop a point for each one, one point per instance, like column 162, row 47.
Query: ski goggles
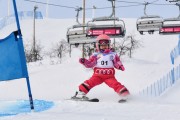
column 104, row 42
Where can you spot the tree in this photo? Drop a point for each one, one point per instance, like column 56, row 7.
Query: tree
column 59, row 50
column 33, row 55
column 127, row 45
column 134, row 44
column 89, row 49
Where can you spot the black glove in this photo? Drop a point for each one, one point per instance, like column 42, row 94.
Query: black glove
column 121, row 68
column 82, row 60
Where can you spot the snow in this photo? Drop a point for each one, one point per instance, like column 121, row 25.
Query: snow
column 57, row 82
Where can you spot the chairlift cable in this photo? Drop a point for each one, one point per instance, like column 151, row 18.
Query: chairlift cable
column 127, row 6
column 57, row 5
column 134, row 4
column 129, row 2
column 153, row 1
column 115, row 7
column 161, row 4
column 51, row 4
column 141, row 3
column 173, row 1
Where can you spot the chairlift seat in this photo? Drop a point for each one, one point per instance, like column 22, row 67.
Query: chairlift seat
column 150, row 16
column 106, row 26
column 169, row 30
column 149, row 20
column 172, row 19
column 170, row 26
column 114, row 27
column 80, row 39
column 76, row 35
column 149, row 23
column 76, row 32
column 148, row 27
column 113, row 31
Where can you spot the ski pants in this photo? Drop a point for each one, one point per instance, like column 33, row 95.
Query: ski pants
column 110, row 80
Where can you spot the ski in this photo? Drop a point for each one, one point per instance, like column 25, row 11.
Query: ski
column 84, row 99
column 74, row 98
column 122, row 101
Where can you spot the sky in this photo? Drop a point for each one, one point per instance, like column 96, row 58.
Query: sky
column 165, row 11
column 55, row 82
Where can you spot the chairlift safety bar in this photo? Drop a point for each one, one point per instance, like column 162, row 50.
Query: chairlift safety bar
column 105, row 19
column 170, row 30
column 111, row 31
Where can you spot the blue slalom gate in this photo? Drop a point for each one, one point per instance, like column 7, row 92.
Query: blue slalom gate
column 12, row 61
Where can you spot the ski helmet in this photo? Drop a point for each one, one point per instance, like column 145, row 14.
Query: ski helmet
column 102, row 39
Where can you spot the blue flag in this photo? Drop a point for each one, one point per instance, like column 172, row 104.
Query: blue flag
column 12, row 58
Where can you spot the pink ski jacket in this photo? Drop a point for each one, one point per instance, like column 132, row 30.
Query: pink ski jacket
column 99, row 58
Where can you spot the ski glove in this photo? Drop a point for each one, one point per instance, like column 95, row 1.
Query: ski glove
column 82, row 60
column 121, row 68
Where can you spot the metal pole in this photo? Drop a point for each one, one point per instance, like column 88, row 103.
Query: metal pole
column 83, row 24
column 146, row 3
column 114, row 23
column 17, row 19
column 113, row 13
column 8, row 7
column 34, row 40
column 83, row 50
column 30, row 94
column 23, row 56
column 84, row 5
column 47, row 8
column 93, row 12
column 70, row 50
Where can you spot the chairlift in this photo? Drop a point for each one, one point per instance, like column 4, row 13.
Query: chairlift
column 171, row 25
column 148, row 23
column 112, row 26
column 76, row 34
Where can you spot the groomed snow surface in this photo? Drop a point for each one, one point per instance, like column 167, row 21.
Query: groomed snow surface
column 54, row 83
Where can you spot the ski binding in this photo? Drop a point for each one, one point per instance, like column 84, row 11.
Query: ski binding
column 122, row 101
column 84, row 99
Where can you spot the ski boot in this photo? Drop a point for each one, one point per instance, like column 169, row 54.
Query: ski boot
column 79, row 95
column 124, row 94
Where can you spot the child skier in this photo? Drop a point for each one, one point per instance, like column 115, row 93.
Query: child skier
column 103, row 62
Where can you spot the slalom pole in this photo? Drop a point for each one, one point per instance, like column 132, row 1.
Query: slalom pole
column 30, row 95
column 23, row 54
column 17, row 19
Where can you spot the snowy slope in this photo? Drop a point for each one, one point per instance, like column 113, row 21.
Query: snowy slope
column 60, row 81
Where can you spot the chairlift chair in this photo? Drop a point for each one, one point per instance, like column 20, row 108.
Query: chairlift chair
column 112, row 26
column 149, row 24
column 170, row 26
column 77, row 34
